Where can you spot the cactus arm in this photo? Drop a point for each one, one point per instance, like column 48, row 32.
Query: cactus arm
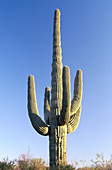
column 36, row 121
column 74, row 121
column 66, row 103
column 47, row 105
column 76, row 102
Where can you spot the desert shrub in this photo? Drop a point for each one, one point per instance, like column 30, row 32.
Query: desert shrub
column 22, row 165
column 109, row 164
column 25, row 162
column 37, row 163
column 99, row 163
column 5, row 164
column 66, row 167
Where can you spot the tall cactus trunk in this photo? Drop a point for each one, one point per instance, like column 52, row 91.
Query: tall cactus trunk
column 57, row 138
column 56, row 83
column 57, row 146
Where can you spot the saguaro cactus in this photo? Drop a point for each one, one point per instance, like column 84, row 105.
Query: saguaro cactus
column 62, row 115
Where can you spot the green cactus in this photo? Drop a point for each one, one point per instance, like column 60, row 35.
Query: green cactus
column 62, row 115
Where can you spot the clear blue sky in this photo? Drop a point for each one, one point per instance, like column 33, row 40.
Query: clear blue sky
column 26, row 28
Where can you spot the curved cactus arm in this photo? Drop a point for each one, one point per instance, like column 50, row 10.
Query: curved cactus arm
column 76, row 102
column 47, row 104
column 36, row 121
column 74, row 121
column 66, row 103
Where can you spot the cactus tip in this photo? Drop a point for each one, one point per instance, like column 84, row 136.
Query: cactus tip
column 30, row 77
column 66, row 67
column 79, row 72
column 57, row 12
column 47, row 89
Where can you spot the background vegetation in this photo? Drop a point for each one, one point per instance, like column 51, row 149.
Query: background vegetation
column 25, row 162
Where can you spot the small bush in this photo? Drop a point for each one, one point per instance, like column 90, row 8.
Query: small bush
column 25, row 162
column 5, row 164
column 66, row 167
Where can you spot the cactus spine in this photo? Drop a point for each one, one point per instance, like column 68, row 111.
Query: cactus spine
column 62, row 115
